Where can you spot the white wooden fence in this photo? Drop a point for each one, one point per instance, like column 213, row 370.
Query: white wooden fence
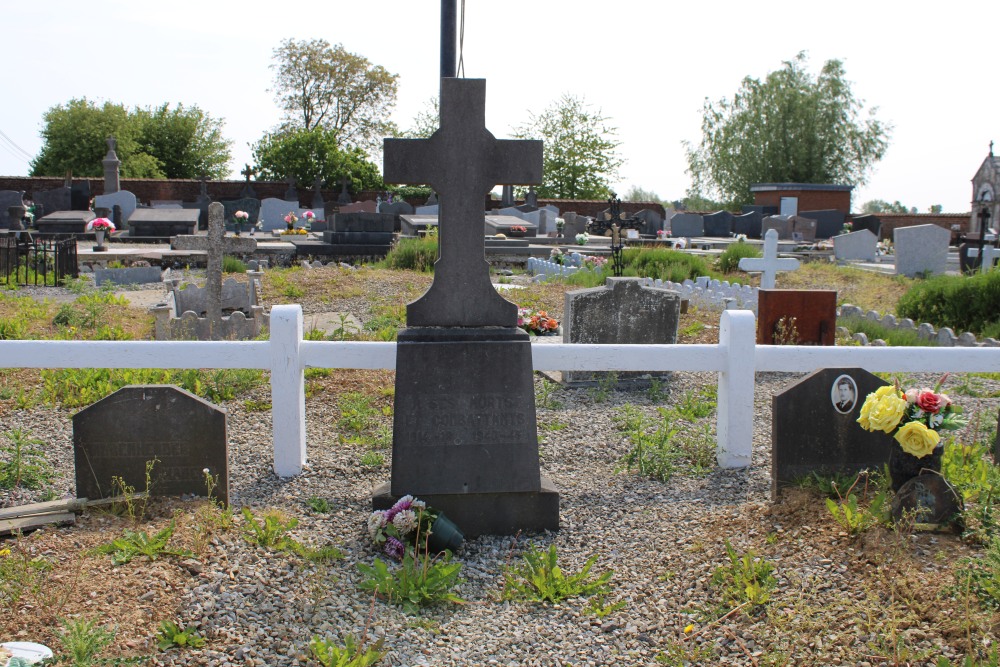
column 735, row 358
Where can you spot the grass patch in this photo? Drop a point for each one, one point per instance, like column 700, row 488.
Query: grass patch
column 866, row 289
column 413, row 254
column 892, row 336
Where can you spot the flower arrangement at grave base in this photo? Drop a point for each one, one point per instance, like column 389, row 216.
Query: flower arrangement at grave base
column 560, row 226
column 101, row 225
column 595, row 262
column 581, row 239
column 537, row 323
column 291, row 219
column 517, row 229
column 309, row 218
column 661, row 234
column 556, row 256
column 296, row 231
column 239, row 219
column 847, row 228
column 741, row 238
column 411, row 522
column 913, row 418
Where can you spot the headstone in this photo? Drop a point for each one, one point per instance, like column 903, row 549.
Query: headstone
column 318, row 204
column 253, row 208
column 123, row 198
column 345, row 194
column 687, row 225
column 273, row 212
column 623, row 312
column 10, row 198
column 855, row 245
column 870, row 222
column 719, row 224
column 216, row 244
column 163, row 222
column 796, row 317
column 398, row 207
column 362, row 229
column 575, row 224
column 464, row 434
column 57, row 199
column 80, row 192
column 829, row 222
column 291, row 194
column 921, row 249
column 780, row 224
column 111, row 164
column 815, row 430
column 769, row 264
column 182, row 434
column 748, row 224
column 531, row 199
column 15, row 218
column 803, row 229
column 507, row 196
column 248, row 192
column 651, row 220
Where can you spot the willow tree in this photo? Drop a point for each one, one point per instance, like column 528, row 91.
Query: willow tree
column 788, row 128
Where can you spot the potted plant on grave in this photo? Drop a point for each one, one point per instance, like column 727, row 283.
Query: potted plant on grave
column 309, row 216
column 560, row 227
column 556, row 256
column 411, row 521
column 581, row 239
column 291, row 219
column 239, row 219
column 913, row 418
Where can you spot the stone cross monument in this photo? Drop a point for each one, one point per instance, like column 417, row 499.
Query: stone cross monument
column 769, row 264
column 111, row 164
column 464, row 436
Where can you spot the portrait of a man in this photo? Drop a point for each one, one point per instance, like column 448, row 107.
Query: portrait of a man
column 844, row 394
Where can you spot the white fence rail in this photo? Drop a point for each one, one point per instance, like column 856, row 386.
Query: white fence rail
column 286, row 355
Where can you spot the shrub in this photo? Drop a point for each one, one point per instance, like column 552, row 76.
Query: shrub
column 413, row 254
column 233, row 265
column 664, row 264
column 729, row 260
column 964, row 303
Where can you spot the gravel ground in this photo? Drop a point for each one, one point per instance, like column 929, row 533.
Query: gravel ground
column 839, row 600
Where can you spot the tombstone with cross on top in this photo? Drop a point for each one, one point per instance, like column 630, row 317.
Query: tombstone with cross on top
column 769, row 264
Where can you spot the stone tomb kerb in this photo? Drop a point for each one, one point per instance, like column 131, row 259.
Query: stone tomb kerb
column 464, row 431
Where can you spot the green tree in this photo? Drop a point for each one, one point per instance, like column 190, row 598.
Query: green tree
column 787, row 128
column 882, row 206
column 306, row 154
column 579, row 157
column 426, row 122
column 635, row 193
column 151, row 143
column 934, row 209
column 187, row 141
column 323, row 86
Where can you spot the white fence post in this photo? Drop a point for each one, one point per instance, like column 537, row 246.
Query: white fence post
column 288, row 398
column 734, row 429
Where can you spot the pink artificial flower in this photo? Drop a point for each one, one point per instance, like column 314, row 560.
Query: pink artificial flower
column 100, row 225
column 928, row 401
column 308, row 215
column 911, row 395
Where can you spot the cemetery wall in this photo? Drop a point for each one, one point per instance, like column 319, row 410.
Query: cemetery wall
column 956, row 223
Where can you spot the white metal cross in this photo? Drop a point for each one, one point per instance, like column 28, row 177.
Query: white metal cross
column 769, row 264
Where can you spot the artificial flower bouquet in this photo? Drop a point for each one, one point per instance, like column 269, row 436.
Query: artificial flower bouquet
column 291, row 219
column 913, row 417
column 537, row 323
column 582, row 239
column 100, row 225
column 519, row 229
column 408, row 521
column 556, row 256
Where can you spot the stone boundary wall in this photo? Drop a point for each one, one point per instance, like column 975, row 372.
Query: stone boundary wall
column 943, row 337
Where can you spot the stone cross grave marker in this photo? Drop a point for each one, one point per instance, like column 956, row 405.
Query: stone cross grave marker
column 464, row 428
column 990, row 256
column 769, row 264
column 462, row 161
column 216, row 244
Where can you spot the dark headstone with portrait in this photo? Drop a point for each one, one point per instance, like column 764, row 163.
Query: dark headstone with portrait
column 814, row 427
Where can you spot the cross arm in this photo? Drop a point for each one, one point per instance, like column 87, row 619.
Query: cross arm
column 518, row 162
column 407, row 161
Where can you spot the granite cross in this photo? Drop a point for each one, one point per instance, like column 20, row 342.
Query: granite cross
column 462, row 161
column 769, row 265
column 216, row 244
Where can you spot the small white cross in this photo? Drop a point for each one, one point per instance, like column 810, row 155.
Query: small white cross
column 769, row 264
column 990, row 255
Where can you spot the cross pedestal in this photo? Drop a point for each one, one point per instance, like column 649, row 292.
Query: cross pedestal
column 769, row 264
column 464, row 432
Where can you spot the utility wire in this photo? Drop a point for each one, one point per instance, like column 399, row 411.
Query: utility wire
column 10, row 141
column 461, row 44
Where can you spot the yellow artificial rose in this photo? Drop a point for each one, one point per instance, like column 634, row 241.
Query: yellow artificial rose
column 882, row 410
column 917, row 439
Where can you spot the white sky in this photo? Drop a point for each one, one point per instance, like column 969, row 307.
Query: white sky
column 647, row 65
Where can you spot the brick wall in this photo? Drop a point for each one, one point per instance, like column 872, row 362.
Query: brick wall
column 956, row 223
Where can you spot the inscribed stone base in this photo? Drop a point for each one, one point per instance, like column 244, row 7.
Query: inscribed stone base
column 464, row 426
column 489, row 513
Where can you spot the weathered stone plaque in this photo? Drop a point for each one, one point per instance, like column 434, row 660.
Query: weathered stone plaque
column 117, row 435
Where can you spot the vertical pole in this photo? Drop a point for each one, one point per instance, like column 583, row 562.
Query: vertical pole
column 288, row 398
column 737, row 338
column 449, row 61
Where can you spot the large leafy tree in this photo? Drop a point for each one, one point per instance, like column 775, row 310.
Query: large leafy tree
column 323, row 86
column 787, row 128
column 306, row 154
column 151, row 143
column 579, row 159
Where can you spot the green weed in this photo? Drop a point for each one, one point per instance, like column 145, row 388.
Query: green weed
column 539, row 578
column 419, row 580
column 854, row 519
column 140, row 543
column 745, row 580
column 24, row 463
column 171, row 635
column 319, row 505
column 351, row 653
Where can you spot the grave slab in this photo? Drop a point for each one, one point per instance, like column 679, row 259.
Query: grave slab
column 684, row 225
column 921, row 249
column 855, row 245
column 163, row 222
column 719, row 224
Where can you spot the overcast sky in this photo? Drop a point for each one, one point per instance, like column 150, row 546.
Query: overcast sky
column 647, row 66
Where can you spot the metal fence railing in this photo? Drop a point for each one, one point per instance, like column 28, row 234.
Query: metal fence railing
column 34, row 259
